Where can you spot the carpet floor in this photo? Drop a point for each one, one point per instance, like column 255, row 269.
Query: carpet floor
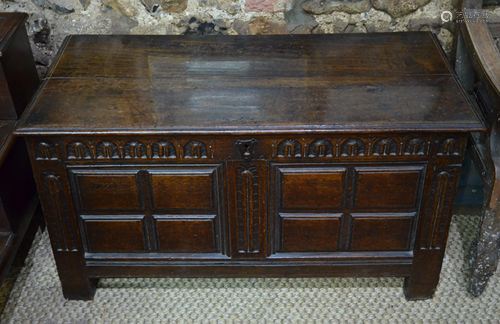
column 37, row 298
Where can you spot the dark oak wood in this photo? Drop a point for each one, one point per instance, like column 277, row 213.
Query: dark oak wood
column 265, row 84
column 18, row 75
column 18, row 197
column 249, row 156
column 479, row 38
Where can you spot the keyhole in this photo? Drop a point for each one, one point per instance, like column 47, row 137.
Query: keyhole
column 247, row 149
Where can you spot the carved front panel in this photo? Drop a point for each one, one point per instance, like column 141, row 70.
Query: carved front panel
column 183, row 234
column 386, row 187
column 118, row 190
column 326, row 207
column 164, row 209
column 102, row 233
column 182, row 189
column 381, row 232
column 310, row 232
column 325, row 187
column 342, row 207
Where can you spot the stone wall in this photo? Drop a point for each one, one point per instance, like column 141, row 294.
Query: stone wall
column 52, row 20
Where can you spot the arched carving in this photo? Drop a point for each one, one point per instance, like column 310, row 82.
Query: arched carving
column 385, row 146
column 353, row 147
column 320, row 148
column 415, row 146
column 45, row 150
column 289, row 148
column 78, row 150
column 449, row 146
column 135, row 150
column 195, row 150
column 107, row 150
column 163, row 150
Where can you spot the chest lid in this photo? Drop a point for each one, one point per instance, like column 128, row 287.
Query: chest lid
column 250, row 84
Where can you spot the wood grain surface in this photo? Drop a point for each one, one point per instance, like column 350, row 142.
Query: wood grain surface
column 175, row 84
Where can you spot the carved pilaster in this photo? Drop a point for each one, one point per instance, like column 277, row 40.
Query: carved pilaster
column 57, row 212
column 247, row 192
column 438, row 208
column 247, row 198
column 432, row 235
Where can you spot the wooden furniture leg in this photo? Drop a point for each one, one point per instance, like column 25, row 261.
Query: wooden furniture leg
column 485, row 249
column 479, row 46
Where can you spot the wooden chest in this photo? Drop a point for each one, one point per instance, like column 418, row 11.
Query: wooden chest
column 282, row 156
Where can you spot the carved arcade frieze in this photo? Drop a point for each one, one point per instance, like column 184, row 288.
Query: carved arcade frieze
column 284, row 148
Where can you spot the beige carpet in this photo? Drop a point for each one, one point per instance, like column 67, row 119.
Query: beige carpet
column 37, row 298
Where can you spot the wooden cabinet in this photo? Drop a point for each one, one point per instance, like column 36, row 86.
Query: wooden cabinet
column 18, row 197
column 281, row 156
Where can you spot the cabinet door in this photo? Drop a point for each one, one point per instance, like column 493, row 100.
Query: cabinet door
column 172, row 209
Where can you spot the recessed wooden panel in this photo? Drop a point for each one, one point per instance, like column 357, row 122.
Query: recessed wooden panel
column 186, row 235
column 108, row 191
column 374, row 233
column 115, row 235
column 310, row 234
column 313, row 188
column 388, row 187
column 182, row 190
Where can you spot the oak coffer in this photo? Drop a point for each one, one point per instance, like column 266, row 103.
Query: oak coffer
column 249, row 156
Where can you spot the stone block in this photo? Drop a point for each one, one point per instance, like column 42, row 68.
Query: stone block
column 241, row 27
column 61, row 6
column 201, row 26
column 125, row 7
column 378, row 27
column 319, row 7
column 417, row 24
column 398, row 8
column 151, row 5
column 298, row 21
column 174, row 6
column 262, row 26
column 121, row 25
column 230, row 6
column 268, row 5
